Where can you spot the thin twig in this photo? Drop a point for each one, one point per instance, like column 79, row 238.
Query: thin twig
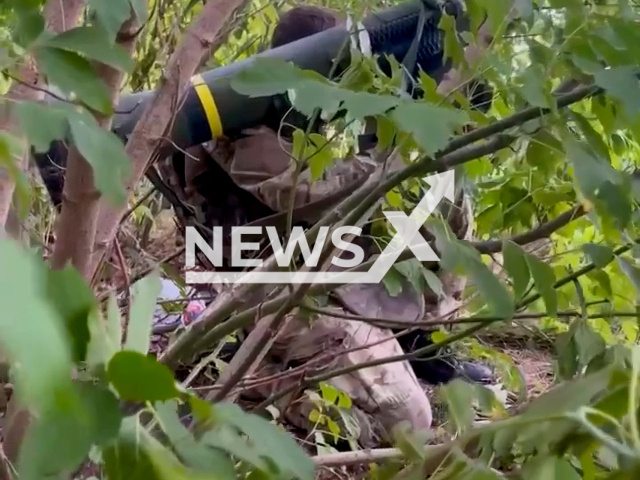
column 126, row 287
column 39, row 89
column 142, row 199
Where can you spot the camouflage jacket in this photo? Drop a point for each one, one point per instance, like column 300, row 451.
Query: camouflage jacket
column 262, row 164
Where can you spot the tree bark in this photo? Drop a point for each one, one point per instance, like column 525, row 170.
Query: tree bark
column 76, row 226
column 58, row 15
column 152, row 128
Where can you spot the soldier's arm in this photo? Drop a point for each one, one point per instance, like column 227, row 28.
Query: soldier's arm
column 262, row 164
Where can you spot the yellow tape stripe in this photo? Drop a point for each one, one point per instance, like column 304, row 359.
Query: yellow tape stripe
column 209, row 105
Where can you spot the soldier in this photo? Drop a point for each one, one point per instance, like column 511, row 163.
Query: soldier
column 258, row 165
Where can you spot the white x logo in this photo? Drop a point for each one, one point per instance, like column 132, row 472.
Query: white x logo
column 407, row 228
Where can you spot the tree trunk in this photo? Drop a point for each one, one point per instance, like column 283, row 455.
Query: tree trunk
column 152, row 128
column 76, row 227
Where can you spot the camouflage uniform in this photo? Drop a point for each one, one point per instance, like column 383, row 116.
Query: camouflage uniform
column 260, row 164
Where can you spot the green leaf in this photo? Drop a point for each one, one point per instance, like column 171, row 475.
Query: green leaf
column 320, row 160
column 228, row 439
column 145, row 295
column 431, row 126
column 92, row 419
column 139, row 378
column 534, row 87
column 73, row 74
column 74, row 300
column 333, row 428
column 393, row 282
column 106, row 154
column 266, row 77
column 394, row 199
column 516, row 266
column 42, row 123
column 105, row 335
column 385, row 131
column 545, row 151
column 632, row 272
column 433, row 282
column 315, row 416
column 460, row 257
column 329, row 393
column 141, row 9
column 569, row 396
column 30, row 26
column 459, row 396
column 548, row 468
column 93, row 43
column 364, row 104
column 196, row 455
column 412, row 271
column 278, row 446
column 31, row 330
column 344, row 401
column 567, row 357
column 590, row 172
column 622, row 84
column 307, row 89
column 589, row 344
column 544, row 278
column 497, row 11
column 600, row 256
column 594, row 138
column 112, row 14
column 599, row 182
column 127, row 459
column 452, row 48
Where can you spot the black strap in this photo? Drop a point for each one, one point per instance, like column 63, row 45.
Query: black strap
column 410, row 60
